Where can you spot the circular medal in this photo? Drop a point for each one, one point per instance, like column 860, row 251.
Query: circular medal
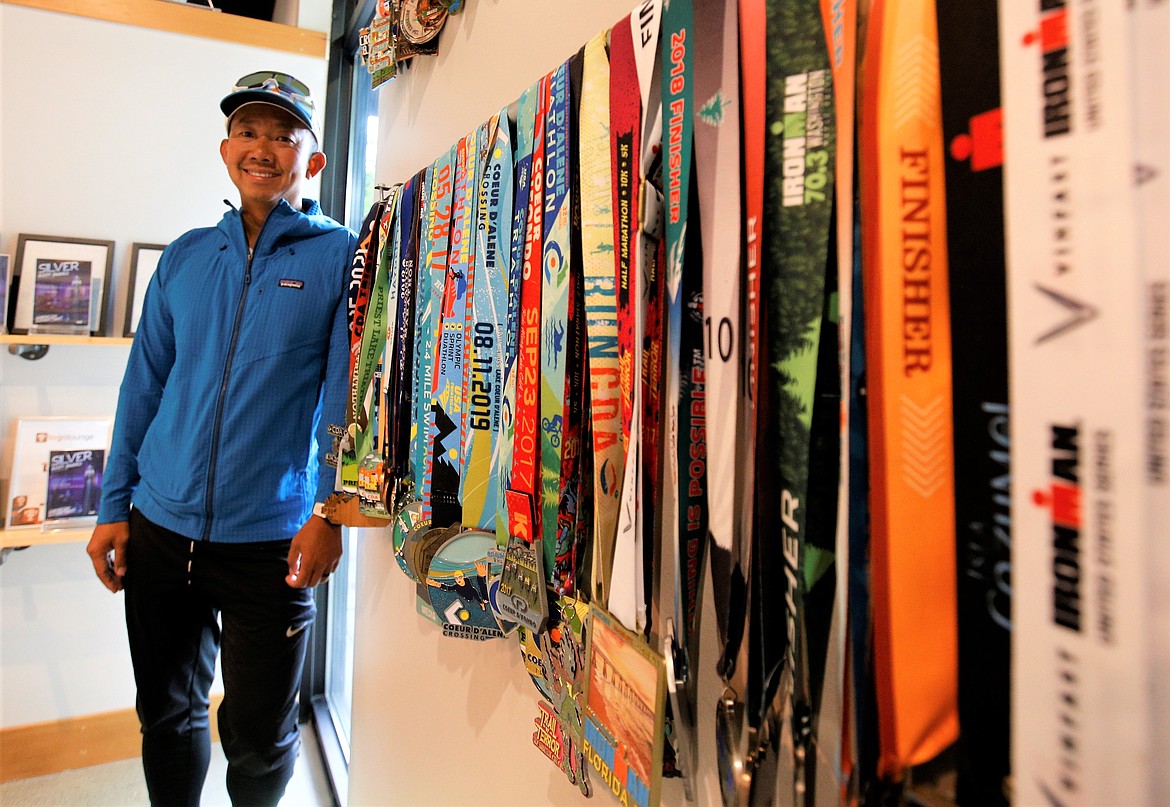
column 421, row 20
column 457, row 584
column 735, row 774
column 423, row 549
column 408, row 522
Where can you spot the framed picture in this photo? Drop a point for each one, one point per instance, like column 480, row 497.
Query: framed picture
column 60, row 284
column 143, row 262
column 78, row 442
column 5, row 282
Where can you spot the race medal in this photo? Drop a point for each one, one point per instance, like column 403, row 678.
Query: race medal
column 625, row 711
column 563, row 648
column 408, row 522
column 495, row 558
column 735, row 775
column 522, row 596
column 415, row 550
column 533, row 657
column 457, row 582
column 420, row 21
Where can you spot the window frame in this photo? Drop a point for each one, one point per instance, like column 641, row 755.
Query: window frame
column 341, row 183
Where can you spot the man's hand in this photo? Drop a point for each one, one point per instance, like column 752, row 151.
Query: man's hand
column 107, row 550
column 314, row 554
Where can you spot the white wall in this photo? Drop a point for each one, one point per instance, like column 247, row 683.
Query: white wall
column 445, row 721
column 313, row 15
column 106, row 131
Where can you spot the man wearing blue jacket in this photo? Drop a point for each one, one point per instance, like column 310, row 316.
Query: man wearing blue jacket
column 211, row 509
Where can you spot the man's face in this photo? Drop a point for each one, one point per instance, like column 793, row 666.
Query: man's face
column 268, row 155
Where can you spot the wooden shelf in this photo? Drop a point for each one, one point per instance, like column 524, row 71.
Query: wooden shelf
column 34, row 537
column 62, row 339
column 180, row 18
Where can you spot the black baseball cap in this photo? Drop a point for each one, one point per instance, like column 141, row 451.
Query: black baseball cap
column 276, row 89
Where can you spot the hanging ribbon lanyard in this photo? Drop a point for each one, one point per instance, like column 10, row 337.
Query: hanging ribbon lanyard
column 399, row 393
column 357, row 301
column 369, row 319
column 375, row 502
column 447, row 393
column 717, row 164
column 554, row 324
column 648, row 322
column 476, row 160
column 422, row 306
column 909, row 388
column 678, row 496
column 439, row 229
column 415, row 486
column 803, row 373
column 597, row 235
column 522, row 163
column 677, row 90
column 625, row 126
column 572, row 518
column 571, row 542
column 753, row 70
column 487, row 336
column 523, row 579
column 840, row 24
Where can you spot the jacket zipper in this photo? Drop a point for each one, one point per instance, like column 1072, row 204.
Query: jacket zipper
column 223, row 387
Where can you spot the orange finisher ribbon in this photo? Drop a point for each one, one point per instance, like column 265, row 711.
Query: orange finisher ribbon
column 909, row 359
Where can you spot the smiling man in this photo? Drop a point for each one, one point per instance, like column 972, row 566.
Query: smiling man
column 210, row 518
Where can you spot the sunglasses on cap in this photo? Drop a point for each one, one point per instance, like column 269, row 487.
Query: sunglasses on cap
column 273, row 81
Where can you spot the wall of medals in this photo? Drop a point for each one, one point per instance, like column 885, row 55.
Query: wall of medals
column 799, row 301
column 401, row 30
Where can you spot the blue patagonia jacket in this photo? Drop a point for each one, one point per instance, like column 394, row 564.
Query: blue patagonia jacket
column 238, row 368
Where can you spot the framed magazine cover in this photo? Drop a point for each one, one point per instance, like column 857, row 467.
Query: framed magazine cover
column 143, row 261
column 35, row 442
column 59, row 285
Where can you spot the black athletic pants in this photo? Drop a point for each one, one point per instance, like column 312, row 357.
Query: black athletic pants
column 176, row 589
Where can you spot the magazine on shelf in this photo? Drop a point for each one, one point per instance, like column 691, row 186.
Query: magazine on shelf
column 74, row 487
column 36, row 439
column 62, row 297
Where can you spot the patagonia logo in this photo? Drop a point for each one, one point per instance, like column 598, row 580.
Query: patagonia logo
column 289, row 283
